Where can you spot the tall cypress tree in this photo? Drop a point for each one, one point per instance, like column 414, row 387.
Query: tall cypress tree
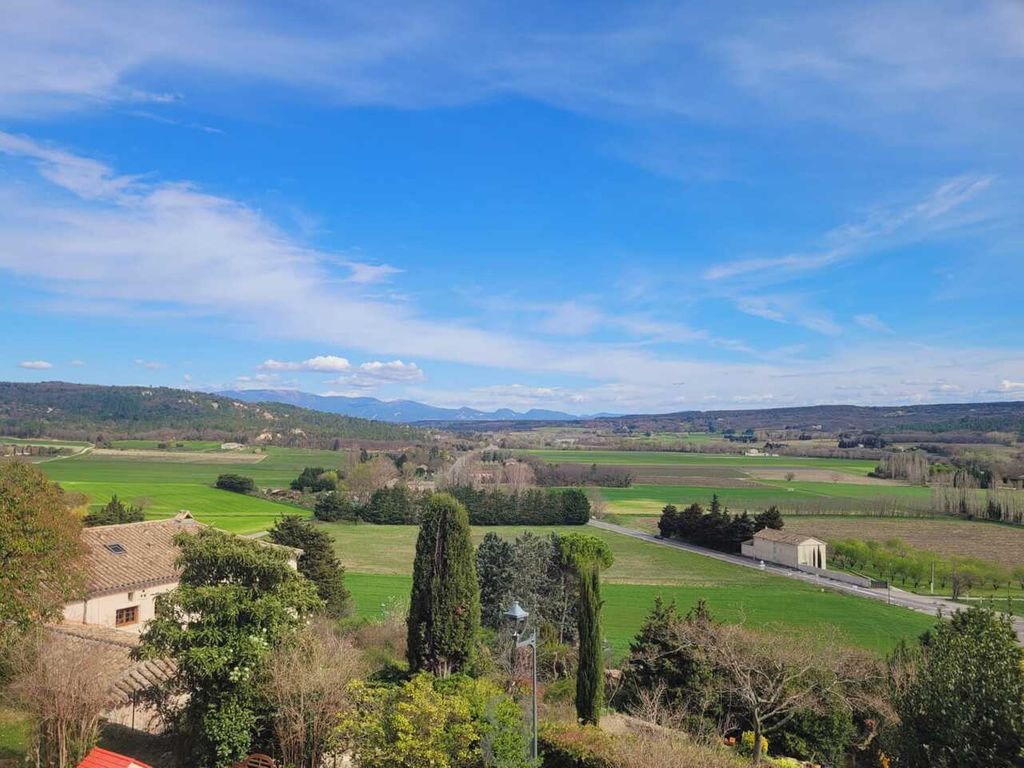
column 444, row 611
column 587, row 555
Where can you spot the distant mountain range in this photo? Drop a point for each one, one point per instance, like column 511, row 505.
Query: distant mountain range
column 398, row 411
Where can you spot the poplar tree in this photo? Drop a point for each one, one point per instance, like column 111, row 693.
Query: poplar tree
column 444, row 611
column 587, row 556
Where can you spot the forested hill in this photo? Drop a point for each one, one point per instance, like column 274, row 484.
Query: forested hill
column 936, row 418
column 87, row 412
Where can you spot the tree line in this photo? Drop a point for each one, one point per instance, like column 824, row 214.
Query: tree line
column 716, row 528
column 400, row 505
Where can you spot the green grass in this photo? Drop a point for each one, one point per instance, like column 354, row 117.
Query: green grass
column 648, row 499
column 14, row 733
column 863, row 623
column 169, row 487
column 379, row 563
column 652, row 458
column 172, row 445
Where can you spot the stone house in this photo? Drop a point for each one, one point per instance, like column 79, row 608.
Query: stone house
column 791, row 549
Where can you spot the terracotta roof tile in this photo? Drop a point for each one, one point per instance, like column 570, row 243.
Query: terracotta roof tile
column 114, row 647
column 133, row 555
column 102, row 758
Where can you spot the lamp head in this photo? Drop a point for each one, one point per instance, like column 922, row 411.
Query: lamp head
column 516, row 617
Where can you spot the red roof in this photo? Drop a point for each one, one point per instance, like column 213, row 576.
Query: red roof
column 102, row 758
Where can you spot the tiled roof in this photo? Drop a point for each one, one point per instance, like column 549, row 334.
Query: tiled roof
column 133, row 555
column 770, row 534
column 102, row 758
column 114, row 648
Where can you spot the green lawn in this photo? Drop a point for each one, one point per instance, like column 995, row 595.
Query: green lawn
column 379, row 563
column 169, row 487
column 14, row 733
column 651, row 458
column 648, row 499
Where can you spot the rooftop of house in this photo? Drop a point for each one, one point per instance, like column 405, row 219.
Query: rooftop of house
column 133, row 555
column 770, row 534
column 114, row 647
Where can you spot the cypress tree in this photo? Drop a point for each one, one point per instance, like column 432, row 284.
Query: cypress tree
column 444, row 611
column 318, row 563
column 587, row 555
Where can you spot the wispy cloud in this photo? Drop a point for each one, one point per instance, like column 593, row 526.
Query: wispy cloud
column 151, row 365
column 36, row 365
column 872, row 322
column 922, row 219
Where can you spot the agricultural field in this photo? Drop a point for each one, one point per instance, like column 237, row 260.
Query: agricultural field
column 172, row 445
column 793, row 483
column 170, row 486
column 997, row 542
column 379, row 563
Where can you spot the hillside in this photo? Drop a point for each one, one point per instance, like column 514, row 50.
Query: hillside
column 947, row 422
column 399, row 411
column 86, row 412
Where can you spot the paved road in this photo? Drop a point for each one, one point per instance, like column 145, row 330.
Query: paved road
column 920, row 603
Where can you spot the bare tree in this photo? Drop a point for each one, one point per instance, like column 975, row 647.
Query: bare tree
column 307, row 686
column 370, row 476
column 518, row 475
column 66, row 686
column 768, row 676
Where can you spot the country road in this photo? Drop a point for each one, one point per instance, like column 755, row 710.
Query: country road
column 920, row 603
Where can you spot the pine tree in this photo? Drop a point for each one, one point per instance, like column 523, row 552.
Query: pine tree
column 495, row 568
column 318, row 563
column 586, row 556
column 444, row 611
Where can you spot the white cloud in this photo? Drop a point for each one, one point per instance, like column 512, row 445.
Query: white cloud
column 152, row 365
column 109, row 244
column 375, row 373
column 872, row 322
column 78, row 363
column 788, row 309
column 186, row 377
column 1011, row 386
column 35, row 365
column 318, row 364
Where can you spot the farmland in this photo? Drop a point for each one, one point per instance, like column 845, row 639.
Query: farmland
column 168, row 486
column 379, row 561
column 999, row 543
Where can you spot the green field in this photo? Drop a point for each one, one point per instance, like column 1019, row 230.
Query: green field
column 41, row 441
column 169, row 487
column 859, row 467
column 379, row 561
column 648, row 499
column 172, row 445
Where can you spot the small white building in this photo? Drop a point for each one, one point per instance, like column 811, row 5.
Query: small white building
column 792, row 549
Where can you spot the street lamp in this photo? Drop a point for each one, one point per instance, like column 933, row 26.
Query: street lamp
column 516, row 618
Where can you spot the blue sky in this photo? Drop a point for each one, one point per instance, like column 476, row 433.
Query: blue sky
column 594, row 207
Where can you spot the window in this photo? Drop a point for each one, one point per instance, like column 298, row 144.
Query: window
column 117, row 549
column 125, row 616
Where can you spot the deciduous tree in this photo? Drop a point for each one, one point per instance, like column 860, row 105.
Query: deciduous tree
column 237, row 600
column 40, row 552
column 318, row 563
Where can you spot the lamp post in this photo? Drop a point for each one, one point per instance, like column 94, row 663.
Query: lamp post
column 516, row 618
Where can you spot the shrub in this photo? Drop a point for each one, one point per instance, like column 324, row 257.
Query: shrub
column 236, row 483
column 333, row 507
column 746, row 745
column 576, row 746
column 112, row 513
column 393, row 506
column 315, row 479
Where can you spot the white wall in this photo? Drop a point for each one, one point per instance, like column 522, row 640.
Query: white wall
column 102, row 610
